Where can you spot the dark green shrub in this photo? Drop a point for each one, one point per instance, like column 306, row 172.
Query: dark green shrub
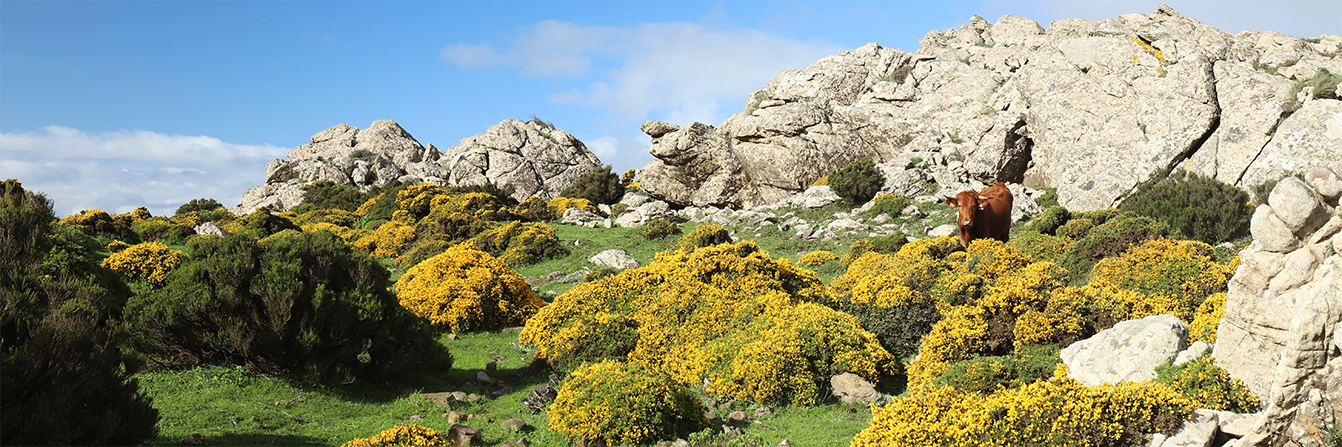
column 296, row 303
column 858, row 182
column 1039, row 246
column 99, row 223
column 987, row 374
column 900, row 329
column 325, row 194
column 385, row 203
column 198, row 205
column 423, row 249
column 518, row 244
column 1110, row 238
column 1048, row 221
column 660, row 228
column 259, row 224
column 535, row 209
column 715, row 437
column 362, row 155
column 1199, row 208
column 597, row 186
column 704, row 235
column 63, row 377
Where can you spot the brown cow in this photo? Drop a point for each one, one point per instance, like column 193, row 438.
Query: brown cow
column 984, row 215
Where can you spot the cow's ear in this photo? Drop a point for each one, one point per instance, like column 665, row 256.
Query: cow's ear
column 952, row 202
column 983, row 205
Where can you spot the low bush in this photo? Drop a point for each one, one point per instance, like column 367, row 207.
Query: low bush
column 100, row 224
column 659, row 228
column 1324, row 83
column 898, row 327
column 888, row 204
column 519, row 244
column 423, row 249
column 561, row 204
column 1107, row 239
column 816, row 258
column 535, row 209
column 259, row 224
column 1054, row 412
column 463, row 289
column 387, row 241
column 623, row 404
column 1197, row 207
column 326, row 194
column 1207, row 319
column 858, row 182
column 1208, row 385
column 406, row 435
column 63, row 376
column 986, row 375
column 597, row 186
column 199, row 205
column 295, row 303
column 704, row 235
column 160, row 229
column 1048, row 221
column 150, row 261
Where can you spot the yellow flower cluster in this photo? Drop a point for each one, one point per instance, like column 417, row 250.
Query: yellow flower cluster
column 817, row 258
column 752, row 326
column 387, row 240
column 1054, row 412
column 349, row 235
column 150, row 261
column 95, row 221
column 1208, row 385
column 464, row 289
column 117, row 246
column 1207, row 319
column 411, row 435
column 995, row 298
column 561, row 204
column 623, row 404
column 332, row 216
column 822, row 181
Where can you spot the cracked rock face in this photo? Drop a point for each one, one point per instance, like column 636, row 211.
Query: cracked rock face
column 1282, row 330
column 535, row 158
column 1092, row 108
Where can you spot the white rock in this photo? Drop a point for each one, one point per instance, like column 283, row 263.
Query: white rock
column 944, row 230
column 1296, row 204
column 852, row 388
column 615, row 258
column 1270, row 233
column 1194, row 351
column 578, row 216
column 209, row 229
column 1199, row 430
column 1129, row 351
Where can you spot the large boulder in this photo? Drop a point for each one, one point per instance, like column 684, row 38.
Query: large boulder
column 1093, row 108
column 1128, row 352
column 1282, row 330
column 533, row 157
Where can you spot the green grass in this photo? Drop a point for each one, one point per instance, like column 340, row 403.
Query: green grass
column 228, row 406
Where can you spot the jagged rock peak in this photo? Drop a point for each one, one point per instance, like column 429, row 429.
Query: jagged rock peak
column 1090, row 107
column 534, row 157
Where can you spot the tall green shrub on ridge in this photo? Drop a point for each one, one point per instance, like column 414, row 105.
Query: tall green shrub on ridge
column 858, row 182
column 296, row 303
column 63, row 378
column 1199, row 208
column 597, row 186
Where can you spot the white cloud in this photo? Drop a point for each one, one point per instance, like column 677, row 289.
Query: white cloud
column 118, row 171
column 677, row 72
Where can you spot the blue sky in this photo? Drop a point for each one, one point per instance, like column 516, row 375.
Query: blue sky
column 114, row 105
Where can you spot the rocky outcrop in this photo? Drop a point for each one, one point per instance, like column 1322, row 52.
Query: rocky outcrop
column 1129, row 351
column 1092, row 108
column 1282, row 330
column 533, row 157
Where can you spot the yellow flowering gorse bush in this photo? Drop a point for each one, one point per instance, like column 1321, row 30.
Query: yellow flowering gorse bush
column 463, row 289
column 753, row 327
column 150, row 261
column 409, row 435
column 623, row 404
column 816, row 258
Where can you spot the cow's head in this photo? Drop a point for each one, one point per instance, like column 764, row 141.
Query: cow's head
column 968, row 202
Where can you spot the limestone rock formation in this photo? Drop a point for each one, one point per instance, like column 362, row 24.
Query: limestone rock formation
column 1282, row 330
column 614, row 258
column 1129, row 351
column 1092, row 108
column 533, row 157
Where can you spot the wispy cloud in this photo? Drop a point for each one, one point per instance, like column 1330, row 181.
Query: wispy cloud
column 118, row 171
column 677, row 72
